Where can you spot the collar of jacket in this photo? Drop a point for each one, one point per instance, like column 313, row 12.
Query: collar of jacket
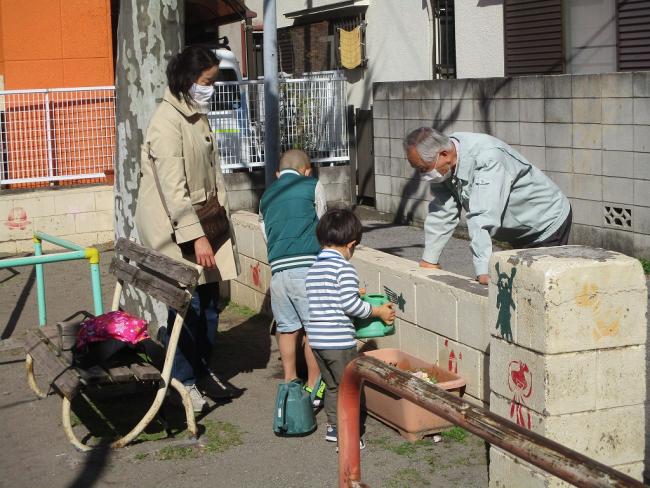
column 463, row 168
column 180, row 105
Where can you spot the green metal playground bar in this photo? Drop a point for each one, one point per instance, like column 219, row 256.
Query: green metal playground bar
column 74, row 253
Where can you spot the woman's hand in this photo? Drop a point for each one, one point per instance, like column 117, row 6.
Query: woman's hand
column 203, row 252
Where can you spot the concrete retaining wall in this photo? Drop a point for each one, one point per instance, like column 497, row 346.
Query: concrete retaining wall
column 83, row 215
column 555, row 343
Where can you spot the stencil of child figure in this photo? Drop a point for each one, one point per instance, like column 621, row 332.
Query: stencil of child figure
column 505, row 302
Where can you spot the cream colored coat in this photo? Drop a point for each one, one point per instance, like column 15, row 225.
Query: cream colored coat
column 187, row 163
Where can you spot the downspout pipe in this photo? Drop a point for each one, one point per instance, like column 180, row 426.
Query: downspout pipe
column 271, row 92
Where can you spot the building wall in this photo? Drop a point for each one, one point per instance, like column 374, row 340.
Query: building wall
column 55, row 43
column 479, row 38
column 589, row 133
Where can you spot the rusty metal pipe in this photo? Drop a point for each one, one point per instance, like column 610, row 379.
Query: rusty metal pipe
column 544, row 453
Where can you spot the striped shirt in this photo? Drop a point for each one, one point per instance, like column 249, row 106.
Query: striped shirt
column 333, row 292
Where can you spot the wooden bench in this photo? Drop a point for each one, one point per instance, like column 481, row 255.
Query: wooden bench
column 158, row 276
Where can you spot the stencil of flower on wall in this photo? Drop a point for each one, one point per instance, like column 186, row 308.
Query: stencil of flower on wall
column 520, row 383
column 17, row 219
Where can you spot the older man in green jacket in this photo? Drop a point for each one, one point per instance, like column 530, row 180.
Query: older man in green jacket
column 504, row 196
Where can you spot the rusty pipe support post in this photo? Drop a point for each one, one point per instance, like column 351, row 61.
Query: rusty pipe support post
column 544, row 453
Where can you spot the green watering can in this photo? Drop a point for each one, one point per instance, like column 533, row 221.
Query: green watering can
column 373, row 326
column 294, row 414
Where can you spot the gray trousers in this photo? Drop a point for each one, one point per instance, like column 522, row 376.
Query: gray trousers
column 332, row 363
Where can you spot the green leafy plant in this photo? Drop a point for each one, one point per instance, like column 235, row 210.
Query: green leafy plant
column 241, row 310
column 646, row 265
column 455, row 433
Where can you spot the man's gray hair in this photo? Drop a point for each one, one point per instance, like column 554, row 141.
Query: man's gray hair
column 427, row 142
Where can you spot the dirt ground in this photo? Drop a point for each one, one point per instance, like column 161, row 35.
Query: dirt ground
column 237, row 447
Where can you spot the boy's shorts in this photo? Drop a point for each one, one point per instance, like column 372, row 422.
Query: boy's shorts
column 289, row 300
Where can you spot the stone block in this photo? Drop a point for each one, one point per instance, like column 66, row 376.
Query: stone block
column 557, row 86
column 614, row 85
column 380, row 127
column 531, row 110
column 508, row 132
column 396, row 129
column 484, row 110
column 618, row 190
column 559, row 159
column 586, row 235
column 382, row 165
column 562, row 180
column 58, row 225
column 559, row 135
column 105, row 237
column 618, row 377
column 642, row 110
column 253, row 180
column 585, row 86
column 587, row 136
column 427, row 345
column 244, row 237
column 618, row 240
column 380, row 91
column 507, row 471
column 398, row 167
column 411, row 109
column 436, row 306
column 94, row 221
column 382, row 202
column 382, row 146
column 463, row 360
column 464, row 89
column 71, row 203
column 408, row 337
column 397, row 186
column 382, row 184
column 587, row 110
column 506, row 87
column 396, row 90
column 557, row 110
column 473, row 325
column 484, row 127
column 618, row 137
column 105, row 200
column 396, row 109
column 8, row 248
column 259, row 247
column 641, row 84
column 554, row 384
column 531, row 87
column 446, row 88
column 587, row 161
column 642, row 193
column 25, row 230
column 412, row 90
column 463, row 110
column 535, row 155
column 397, row 284
column 618, row 163
column 641, row 220
column 642, row 138
column 532, row 134
column 507, row 110
column 642, row 245
column 380, row 109
column 587, row 212
column 567, row 299
column 369, row 277
column 642, row 166
column 397, row 148
column 618, row 111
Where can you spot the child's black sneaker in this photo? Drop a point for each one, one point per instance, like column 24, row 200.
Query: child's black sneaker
column 331, row 433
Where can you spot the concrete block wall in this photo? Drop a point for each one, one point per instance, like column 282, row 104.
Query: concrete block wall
column 441, row 317
column 589, row 133
column 83, row 215
column 568, row 355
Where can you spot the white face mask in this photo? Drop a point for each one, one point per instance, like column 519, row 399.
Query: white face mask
column 434, row 175
column 201, row 94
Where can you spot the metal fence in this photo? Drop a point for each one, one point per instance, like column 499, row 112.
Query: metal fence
column 69, row 134
column 56, row 134
column 312, row 118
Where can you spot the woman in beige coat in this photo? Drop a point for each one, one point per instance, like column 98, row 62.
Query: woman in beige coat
column 181, row 146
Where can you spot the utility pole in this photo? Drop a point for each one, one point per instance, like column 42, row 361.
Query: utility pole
column 271, row 93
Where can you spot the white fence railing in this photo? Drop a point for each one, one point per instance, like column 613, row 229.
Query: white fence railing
column 56, row 134
column 69, row 134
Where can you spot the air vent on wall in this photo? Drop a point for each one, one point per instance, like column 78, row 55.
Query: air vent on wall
column 620, row 217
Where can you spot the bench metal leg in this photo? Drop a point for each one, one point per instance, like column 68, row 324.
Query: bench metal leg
column 187, row 403
column 67, row 427
column 29, row 364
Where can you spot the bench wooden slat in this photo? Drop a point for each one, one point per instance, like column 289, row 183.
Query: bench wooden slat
column 51, row 334
column 145, row 372
column 52, row 368
column 120, row 374
column 154, row 260
column 94, row 374
column 167, row 293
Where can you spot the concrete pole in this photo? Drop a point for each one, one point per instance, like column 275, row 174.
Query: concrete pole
column 271, row 100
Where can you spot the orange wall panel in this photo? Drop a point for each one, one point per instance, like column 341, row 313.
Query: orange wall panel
column 31, row 29
column 33, row 74
column 88, row 72
column 85, row 30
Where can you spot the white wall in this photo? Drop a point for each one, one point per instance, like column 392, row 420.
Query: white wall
column 479, row 38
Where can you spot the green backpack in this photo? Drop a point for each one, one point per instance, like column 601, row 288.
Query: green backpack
column 294, row 415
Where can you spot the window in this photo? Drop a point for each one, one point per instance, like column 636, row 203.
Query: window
column 633, row 34
column 590, row 36
column 348, row 24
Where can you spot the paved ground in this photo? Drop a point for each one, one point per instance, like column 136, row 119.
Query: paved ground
column 238, row 447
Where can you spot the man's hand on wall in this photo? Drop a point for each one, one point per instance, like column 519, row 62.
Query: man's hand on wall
column 483, row 279
column 426, row 264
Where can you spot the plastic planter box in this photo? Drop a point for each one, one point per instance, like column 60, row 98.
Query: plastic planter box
column 412, row 422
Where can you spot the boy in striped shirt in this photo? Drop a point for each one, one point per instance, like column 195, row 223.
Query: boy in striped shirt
column 333, row 292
